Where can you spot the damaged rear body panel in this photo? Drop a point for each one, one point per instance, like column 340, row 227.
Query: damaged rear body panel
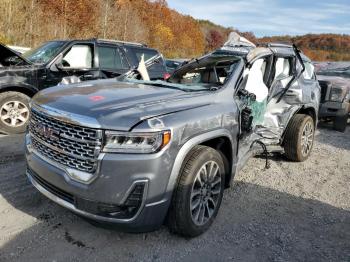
column 282, row 83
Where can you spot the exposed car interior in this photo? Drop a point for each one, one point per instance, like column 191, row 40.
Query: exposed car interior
column 255, row 82
column 79, row 56
column 214, row 71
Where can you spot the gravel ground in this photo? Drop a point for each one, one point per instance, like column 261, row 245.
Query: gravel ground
column 290, row 212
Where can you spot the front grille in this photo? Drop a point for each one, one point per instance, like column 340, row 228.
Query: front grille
column 324, row 91
column 70, row 145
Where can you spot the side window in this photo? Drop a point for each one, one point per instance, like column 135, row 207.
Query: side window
column 146, row 52
column 111, row 58
column 78, row 56
column 282, row 68
column 309, row 70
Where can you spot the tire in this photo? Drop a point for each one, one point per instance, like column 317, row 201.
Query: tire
column 340, row 123
column 296, row 132
column 188, row 195
column 14, row 112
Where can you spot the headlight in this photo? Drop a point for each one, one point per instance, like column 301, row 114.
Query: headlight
column 132, row 142
column 337, row 94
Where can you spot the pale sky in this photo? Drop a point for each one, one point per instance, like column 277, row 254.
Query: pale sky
column 274, row 17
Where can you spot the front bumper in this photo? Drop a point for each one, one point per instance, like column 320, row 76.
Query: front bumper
column 334, row 109
column 118, row 176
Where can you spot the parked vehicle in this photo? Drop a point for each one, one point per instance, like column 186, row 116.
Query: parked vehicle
column 22, row 76
column 334, row 80
column 173, row 64
column 134, row 153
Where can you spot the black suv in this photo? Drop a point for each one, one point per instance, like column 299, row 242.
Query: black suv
column 22, row 76
column 334, row 79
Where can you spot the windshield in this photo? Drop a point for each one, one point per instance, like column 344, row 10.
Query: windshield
column 44, row 53
column 209, row 73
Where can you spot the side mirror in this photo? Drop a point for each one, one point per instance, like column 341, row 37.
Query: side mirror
column 57, row 65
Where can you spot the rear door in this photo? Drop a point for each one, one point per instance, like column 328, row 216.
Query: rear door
column 112, row 60
column 289, row 90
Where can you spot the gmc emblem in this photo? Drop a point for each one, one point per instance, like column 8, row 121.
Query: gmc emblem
column 47, row 132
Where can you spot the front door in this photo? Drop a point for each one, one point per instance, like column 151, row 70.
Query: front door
column 75, row 64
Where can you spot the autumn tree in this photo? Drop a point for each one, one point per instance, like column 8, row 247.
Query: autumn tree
column 214, row 39
column 152, row 22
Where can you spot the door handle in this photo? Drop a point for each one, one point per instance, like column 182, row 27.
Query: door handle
column 89, row 75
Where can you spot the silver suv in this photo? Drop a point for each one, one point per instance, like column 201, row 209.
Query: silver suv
column 137, row 153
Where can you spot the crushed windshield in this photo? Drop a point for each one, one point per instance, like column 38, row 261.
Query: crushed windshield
column 44, row 53
column 209, row 73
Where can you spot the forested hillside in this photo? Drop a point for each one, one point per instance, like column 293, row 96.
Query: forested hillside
column 30, row 22
column 322, row 47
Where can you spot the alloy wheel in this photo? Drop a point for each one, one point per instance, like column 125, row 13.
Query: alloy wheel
column 14, row 113
column 307, row 138
column 205, row 193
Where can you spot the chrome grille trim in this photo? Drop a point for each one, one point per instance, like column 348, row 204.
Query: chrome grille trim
column 34, row 137
column 72, row 146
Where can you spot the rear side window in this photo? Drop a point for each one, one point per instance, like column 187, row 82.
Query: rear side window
column 111, row 58
column 309, row 70
column 146, row 52
column 134, row 54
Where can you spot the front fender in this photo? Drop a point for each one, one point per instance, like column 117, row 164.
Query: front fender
column 183, row 152
column 26, row 89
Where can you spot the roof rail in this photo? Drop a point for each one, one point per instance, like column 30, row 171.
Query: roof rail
column 120, row 42
column 276, row 44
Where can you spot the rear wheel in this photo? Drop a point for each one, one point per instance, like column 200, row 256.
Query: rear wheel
column 299, row 137
column 340, row 123
column 14, row 112
column 197, row 197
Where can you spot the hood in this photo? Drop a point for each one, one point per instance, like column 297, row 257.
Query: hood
column 9, row 57
column 109, row 104
column 341, row 69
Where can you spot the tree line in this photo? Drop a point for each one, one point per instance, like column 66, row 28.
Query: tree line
column 31, row 22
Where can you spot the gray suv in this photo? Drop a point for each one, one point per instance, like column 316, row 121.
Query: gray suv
column 137, row 154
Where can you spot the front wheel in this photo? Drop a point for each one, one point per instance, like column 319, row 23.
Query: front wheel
column 340, row 123
column 14, row 112
column 299, row 137
column 197, row 197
